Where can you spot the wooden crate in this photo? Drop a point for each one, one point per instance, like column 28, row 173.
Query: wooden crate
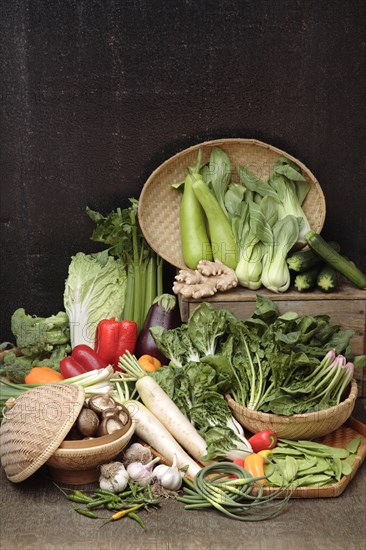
column 345, row 307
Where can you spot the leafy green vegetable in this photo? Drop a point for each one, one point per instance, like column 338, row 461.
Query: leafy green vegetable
column 94, row 290
column 16, row 367
column 120, row 230
column 39, row 335
column 284, row 364
column 197, row 339
column 195, row 389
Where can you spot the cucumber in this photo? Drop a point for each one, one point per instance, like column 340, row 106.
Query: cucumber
column 335, row 260
column 304, row 260
column 327, row 279
column 307, row 280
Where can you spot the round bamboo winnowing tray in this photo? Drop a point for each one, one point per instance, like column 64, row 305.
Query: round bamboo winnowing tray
column 298, row 426
column 159, row 202
column 34, row 428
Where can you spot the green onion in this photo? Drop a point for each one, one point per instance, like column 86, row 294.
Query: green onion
column 96, row 381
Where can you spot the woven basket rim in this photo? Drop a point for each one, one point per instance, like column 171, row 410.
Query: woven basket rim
column 158, row 243
column 100, row 447
column 299, row 418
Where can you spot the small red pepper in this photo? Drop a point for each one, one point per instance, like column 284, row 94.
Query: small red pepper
column 113, row 338
column 239, row 462
column 82, row 359
column 263, row 441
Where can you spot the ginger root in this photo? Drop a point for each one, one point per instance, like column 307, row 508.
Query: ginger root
column 206, row 280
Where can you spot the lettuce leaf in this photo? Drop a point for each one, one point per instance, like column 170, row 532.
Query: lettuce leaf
column 94, row 290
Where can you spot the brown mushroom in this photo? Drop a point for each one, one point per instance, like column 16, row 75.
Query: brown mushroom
column 87, row 422
column 100, row 402
column 111, row 423
column 123, row 415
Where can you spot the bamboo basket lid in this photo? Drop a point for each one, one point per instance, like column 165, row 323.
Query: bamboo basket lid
column 159, row 202
column 35, row 427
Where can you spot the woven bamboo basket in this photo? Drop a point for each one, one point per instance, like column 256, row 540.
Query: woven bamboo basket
column 33, row 430
column 298, row 426
column 159, row 202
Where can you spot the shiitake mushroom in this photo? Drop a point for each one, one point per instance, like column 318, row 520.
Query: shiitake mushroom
column 87, row 422
column 114, row 419
column 100, row 415
column 100, row 402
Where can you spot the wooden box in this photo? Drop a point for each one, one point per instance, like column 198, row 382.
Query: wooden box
column 345, row 307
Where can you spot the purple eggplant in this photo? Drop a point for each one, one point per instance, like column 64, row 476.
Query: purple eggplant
column 163, row 312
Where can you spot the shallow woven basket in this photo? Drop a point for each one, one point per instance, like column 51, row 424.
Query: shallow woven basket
column 159, row 203
column 33, row 431
column 297, row 426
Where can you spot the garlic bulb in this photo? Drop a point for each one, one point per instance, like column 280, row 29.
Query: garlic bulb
column 169, row 476
column 113, row 477
column 137, row 453
column 141, row 473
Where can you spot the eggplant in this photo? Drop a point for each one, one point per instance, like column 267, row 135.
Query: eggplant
column 163, row 312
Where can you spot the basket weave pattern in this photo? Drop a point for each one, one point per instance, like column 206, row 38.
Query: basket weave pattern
column 159, row 203
column 297, row 426
column 33, row 429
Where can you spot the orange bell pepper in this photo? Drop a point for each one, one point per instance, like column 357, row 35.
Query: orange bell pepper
column 254, row 465
column 43, row 375
column 149, row 363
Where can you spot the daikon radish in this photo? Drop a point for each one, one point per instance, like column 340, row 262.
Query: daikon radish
column 160, row 404
column 151, row 430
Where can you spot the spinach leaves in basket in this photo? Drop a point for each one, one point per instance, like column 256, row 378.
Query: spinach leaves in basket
column 271, row 362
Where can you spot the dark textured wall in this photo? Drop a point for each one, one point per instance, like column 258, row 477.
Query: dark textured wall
column 96, row 94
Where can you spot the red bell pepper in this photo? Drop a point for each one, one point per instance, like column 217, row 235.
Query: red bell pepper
column 82, row 359
column 263, row 441
column 113, row 338
column 239, row 462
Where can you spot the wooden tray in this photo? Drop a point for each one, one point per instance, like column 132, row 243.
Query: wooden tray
column 339, row 438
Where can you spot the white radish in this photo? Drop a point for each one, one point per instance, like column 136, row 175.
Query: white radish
column 151, row 430
column 160, row 404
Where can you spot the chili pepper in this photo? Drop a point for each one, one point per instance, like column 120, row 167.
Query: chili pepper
column 99, row 502
column 78, row 493
column 137, row 518
column 254, row 465
column 86, row 513
column 122, row 513
column 113, row 338
column 104, row 492
column 263, row 441
column 82, row 359
column 78, row 498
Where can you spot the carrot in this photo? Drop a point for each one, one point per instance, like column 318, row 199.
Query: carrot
column 43, row 375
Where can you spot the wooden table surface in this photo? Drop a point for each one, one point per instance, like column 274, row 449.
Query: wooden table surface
column 35, row 515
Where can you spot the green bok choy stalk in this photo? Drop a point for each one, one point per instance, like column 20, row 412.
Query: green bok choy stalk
column 281, row 238
column 291, row 188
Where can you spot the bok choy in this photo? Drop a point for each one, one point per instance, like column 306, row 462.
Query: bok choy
column 266, row 216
